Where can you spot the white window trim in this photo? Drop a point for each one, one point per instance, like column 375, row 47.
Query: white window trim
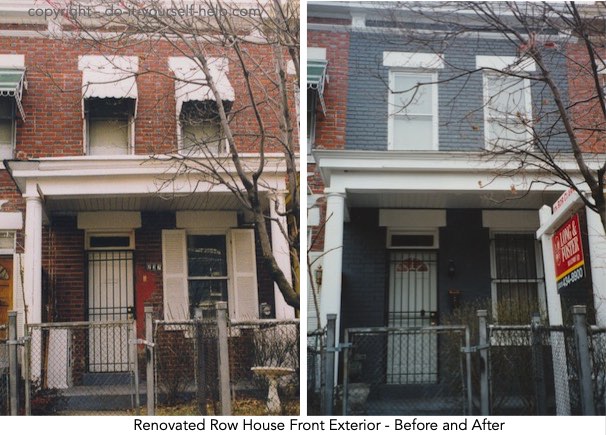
column 401, row 59
column 126, row 233
column 434, row 107
column 540, row 279
column 528, row 107
column 502, row 63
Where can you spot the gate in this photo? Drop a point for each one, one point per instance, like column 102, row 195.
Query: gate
column 368, row 386
column 110, row 298
column 4, row 392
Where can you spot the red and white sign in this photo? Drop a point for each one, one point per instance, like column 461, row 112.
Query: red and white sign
column 568, row 253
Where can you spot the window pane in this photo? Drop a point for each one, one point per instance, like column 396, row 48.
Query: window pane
column 413, row 133
column 507, row 96
column 6, row 107
column 201, row 138
column 6, row 131
column 503, row 134
column 108, row 136
column 206, row 256
column 415, row 101
column 311, row 115
column 206, row 292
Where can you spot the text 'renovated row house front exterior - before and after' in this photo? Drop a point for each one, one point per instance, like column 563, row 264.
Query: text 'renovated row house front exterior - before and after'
column 455, row 208
column 149, row 193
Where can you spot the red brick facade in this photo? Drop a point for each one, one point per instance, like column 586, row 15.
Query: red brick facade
column 589, row 119
column 330, row 128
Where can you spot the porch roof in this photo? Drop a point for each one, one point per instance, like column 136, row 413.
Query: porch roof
column 437, row 179
column 133, row 183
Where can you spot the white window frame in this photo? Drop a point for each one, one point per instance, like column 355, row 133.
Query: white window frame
column 487, row 77
column 494, row 280
column 392, row 112
column 127, row 233
column 494, row 65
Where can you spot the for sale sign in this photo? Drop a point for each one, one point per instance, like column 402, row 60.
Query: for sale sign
column 568, row 253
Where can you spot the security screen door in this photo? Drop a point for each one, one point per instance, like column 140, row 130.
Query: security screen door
column 412, row 356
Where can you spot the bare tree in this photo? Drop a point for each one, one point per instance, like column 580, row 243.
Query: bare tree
column 555, row 49
column 261, row 41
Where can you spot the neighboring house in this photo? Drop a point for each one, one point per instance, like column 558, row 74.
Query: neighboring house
column 91, row 227
column 422, row 219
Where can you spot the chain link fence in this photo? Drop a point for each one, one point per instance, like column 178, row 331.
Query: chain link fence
column 597, row 349
column 405, row 371
column 82, row 368
column 261, row 368
column 315, row 371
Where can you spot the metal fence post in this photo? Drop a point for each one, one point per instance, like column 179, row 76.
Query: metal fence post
column 132, row 328
column 345, row 373
column 149, row 358
column 483, row 347
column 579, row 314
column 13, row 362
column 27, row 364
column 329, row 365
column 223, row 353
column 201, row 368
column 537, row 365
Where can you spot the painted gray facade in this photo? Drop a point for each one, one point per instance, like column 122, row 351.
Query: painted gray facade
column 460, row 110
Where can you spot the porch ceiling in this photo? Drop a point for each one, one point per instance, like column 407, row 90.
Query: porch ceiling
column 451, row 199
column 195, row 201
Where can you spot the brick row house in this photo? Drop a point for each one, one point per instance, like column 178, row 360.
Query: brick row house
column 96, row 220
column 417, row 217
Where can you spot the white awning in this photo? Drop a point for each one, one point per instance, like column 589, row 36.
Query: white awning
column 12, row 78
column 109, row 77
column 191, row 83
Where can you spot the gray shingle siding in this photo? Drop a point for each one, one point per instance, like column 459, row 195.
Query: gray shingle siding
column 460, row 111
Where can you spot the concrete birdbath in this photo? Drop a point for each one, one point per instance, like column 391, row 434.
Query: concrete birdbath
column 273, row 374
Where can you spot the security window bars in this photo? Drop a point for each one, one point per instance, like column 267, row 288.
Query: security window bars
column 517, row 278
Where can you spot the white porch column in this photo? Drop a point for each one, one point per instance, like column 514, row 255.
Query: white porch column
column 332, row 262
column 32, row 273
column 597, row 254
column 281, row 250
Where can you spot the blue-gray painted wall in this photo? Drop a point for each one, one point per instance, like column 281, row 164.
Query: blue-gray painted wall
column 365, row 269
column 460, row 112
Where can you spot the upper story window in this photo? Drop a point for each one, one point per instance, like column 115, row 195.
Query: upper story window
column 413, row 100
column 199, row 131
column 12, row 85
column 7, row 127
column 109, row 92
column 507, row 102
column 316, row 81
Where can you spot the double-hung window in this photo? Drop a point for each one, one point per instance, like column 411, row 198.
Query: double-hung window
column 413, row 111
column 12, row 85
column 413, row 100
column 7, row 127
column 507, row 102
column 199, row 132
column 109, row 91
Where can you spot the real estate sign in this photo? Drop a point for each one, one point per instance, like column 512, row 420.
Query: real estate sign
column 568, row 253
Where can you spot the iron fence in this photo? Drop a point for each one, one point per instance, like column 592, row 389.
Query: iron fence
column 81, row 368
column 406, row 371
